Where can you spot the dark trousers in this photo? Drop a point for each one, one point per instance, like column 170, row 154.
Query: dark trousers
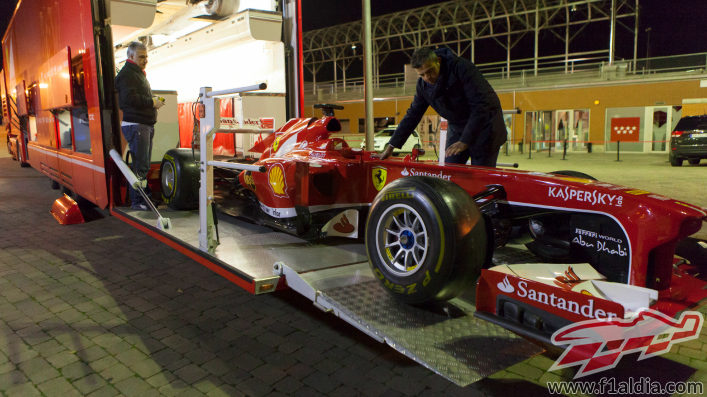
column 488, row 158
column 139, row 137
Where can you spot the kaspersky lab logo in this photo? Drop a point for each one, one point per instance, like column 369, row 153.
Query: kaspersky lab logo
column 598, row 345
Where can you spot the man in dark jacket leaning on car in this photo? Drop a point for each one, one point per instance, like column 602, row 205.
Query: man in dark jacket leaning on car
column 455, row 88
column 139, row 114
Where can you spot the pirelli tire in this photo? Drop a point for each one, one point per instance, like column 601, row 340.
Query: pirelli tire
column 426, row 239
column 179, row 179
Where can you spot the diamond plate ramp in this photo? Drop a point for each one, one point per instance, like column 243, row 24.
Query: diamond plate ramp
column 445, row 338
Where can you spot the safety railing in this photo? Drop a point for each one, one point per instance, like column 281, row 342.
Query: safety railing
column 589, row 67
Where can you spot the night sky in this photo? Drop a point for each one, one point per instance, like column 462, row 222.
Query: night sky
column 676, row 26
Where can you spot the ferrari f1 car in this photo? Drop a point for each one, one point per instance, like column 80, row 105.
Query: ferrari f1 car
column 429, row 230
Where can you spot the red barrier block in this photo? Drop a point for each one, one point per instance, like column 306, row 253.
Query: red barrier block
column 66, row 211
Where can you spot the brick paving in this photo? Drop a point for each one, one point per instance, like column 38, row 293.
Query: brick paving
column 101, row 309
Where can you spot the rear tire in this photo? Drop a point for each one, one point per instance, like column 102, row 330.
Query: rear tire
column 19, row 156
column 179, row 179
column 693, row 161
column 675, row 161
column 426, row 239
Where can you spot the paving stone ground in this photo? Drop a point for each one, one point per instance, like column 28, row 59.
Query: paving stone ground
column 101, row 309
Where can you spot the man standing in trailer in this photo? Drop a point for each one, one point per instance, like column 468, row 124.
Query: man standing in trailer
column 454, row 88
column 139, row 114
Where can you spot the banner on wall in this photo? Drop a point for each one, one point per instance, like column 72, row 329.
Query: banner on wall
column 625, row 129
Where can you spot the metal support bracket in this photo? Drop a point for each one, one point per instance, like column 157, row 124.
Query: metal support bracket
column 137, row 184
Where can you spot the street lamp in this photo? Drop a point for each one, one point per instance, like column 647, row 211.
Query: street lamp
column 648, row 48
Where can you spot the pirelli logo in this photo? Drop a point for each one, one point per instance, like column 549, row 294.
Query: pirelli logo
column 399, row 194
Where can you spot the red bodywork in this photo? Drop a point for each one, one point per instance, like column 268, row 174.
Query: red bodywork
column 635, row 238
column 47, row 43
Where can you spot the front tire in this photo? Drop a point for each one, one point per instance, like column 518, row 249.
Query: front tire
column 426, row 239
column 551, row 237
column 179, row 179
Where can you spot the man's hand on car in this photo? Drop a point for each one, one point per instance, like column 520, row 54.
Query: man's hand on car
column 384, row 154
column 456, row 148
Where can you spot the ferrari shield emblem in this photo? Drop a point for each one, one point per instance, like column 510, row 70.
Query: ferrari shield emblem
column 378, row 176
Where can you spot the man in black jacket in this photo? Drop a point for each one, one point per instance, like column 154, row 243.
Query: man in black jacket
column 454, row 88
column 139, row 114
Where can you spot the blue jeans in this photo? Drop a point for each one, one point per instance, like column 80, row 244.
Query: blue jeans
column 488, row 158
column 139, row 137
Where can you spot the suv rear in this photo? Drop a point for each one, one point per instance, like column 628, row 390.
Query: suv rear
column 689, row 140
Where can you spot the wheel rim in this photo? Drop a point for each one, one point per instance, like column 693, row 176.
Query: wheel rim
column 168, row 179
column 402, row 241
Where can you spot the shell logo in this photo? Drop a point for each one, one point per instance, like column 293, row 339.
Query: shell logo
column 276, row 179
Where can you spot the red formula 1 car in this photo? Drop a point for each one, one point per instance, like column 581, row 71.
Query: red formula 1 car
column 429, row 230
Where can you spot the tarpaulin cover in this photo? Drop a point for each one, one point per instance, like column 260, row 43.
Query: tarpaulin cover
column 224, row 144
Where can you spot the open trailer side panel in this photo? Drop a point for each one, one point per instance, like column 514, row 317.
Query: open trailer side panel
column 52, row 76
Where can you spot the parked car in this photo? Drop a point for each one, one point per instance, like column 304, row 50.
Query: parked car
column 689, row 141
column 383, row 136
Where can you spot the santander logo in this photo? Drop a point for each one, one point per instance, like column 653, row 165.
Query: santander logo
column 552, row 297
column 414, row 172
column 505, row 286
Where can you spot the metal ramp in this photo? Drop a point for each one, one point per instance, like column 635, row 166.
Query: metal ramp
column 445, row 338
